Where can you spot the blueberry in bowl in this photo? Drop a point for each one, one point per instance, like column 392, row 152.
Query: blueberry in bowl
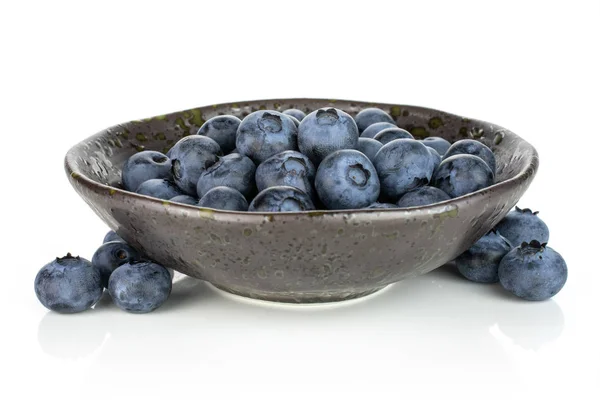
column 263, row 134
column 288, row 168
column 281, row 199
column 403, row 165
column 222, row 129
column 224, row 198
column 324, row 131
column 346, row 179
column 233, row 170
column 387, row 135
column 372, row 130
column 310, row 255
column 190, row 157
column 439, row 144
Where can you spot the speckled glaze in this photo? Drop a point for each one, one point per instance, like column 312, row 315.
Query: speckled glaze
column 309, row 257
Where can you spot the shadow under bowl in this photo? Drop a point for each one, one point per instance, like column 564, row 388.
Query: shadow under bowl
column 311, row 256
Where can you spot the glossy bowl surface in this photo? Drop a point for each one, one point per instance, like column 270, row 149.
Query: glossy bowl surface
column 316, row 256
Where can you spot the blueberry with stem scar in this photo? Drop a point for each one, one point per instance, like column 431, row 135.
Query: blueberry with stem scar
column 68, row 285
column 346, row 179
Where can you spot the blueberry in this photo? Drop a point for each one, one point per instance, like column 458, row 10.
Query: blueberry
column 373, row 129
column 140, row 287
column 224, row 198
column 480, row 262
column 387, row 135
column 144, row 166
column 533, row 271
column 422, row 196
column 222, row 129
column 370, row 116
column 111, row 255
column 403, row 165
column 462, row 174
column 294, row 120
column 324, row 131
column 441, row 145
column 523, row 225
column 288, row 168
column 263, row 134
column 475, row 148
column 294, row 112
column 68, row 285
column 191, row 156
column 112, row 236
column 234, row 170
column 234, row 151
column 281, row 198
column 185, row 199
column 159, row 188
column 436, row 159
column 369, row 147
column 382, row 205
column 346, row 179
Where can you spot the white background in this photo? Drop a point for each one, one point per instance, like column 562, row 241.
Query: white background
column 70, row 69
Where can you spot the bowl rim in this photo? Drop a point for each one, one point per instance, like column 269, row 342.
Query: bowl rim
column 74, row 174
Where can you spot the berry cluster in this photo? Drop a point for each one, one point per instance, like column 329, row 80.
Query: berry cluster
column 289, row 161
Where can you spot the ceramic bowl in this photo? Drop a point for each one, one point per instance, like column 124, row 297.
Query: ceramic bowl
column 311, row 256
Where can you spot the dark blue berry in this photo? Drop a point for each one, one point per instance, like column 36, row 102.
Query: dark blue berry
column 185, row 199
column 523, row 225
column 436, row 159
column 140, row 287
column 112, row 236
column 422, row 196
column 480, row 262
column 324, row 131
column 403, row 165
column 222, row 129
column 475, row 148
column 144, row 166
column 294, row 112
column 346, row 179
column 281, row 199
column 159, row 188
column 369, row 147
column 462, row 174
column 191, row 156
column 224, row 198
column 263, row 134
column 234, row 170
column 68, row 285
column 373, row 129
column 382, row 205
column 533, row 271
column 370, row 116
column 288, row 168
column 387, row 135
column 441, row 145
column 110, row 256
column 296, row 122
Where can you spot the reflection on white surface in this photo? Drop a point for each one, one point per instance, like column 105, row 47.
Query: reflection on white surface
column 436, row 315
column 72, row 336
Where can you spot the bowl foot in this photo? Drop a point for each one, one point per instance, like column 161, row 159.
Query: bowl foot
column 300, row 297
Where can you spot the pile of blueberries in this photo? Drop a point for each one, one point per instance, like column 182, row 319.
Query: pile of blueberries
column 287, row 162
column 515, row 253
column 74, row 284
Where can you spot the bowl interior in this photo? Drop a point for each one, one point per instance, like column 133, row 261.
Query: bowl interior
column 106, row 152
